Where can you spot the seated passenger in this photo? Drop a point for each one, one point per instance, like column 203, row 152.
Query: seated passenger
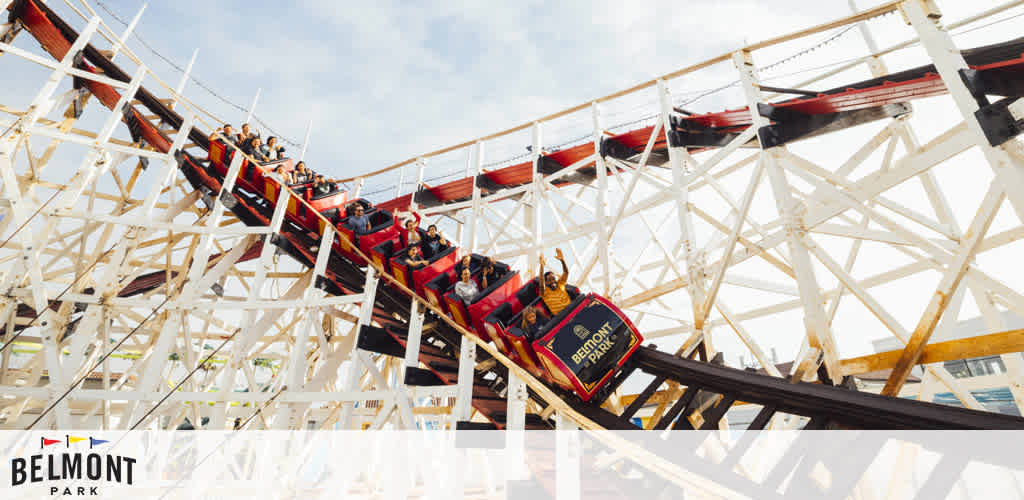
column 463, row 263
column 488, row 274
column 412, row 234
column 466, row 288
column 245, row 135
column 224, row 134
column 272, row 150
column 531, row 322
column 434, row 242
column 322, row 187
column 281, row 175
column 553, row 291
column 256, row 150
column 303, row 173
column 413, row 259
column 358, row 222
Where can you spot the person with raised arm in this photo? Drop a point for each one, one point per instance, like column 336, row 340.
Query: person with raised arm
column 464, row 263
column 224, row 134
column 246, row 135
column 488, row 274
column 434, row 242
column 553, row 291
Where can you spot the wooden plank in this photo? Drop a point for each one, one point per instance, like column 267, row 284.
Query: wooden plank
column 971, row 347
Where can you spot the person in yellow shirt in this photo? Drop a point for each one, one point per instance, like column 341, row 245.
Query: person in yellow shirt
column 553, row 291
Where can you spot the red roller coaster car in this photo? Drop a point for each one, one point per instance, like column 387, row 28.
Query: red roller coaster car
column 578, row 349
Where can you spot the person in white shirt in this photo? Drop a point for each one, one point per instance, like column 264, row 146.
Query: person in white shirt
column 271, row 150
column 412, row 235
column 466, row 288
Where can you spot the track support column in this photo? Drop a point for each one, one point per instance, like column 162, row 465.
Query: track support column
column 464, row 393
column 354, row 371
column 412, row 345
column 601, row 207
column 567, row 459
column 534, row 222
column 819, row 333
column 949, row 63
column 476, row 210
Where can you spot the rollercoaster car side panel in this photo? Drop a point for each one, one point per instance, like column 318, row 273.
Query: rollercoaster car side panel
column 329, row 201
column 495, row 326
column 523, row 352
column 490, row 299
column 588, row 345
column 460, row 313
column 346, row 243
column 442, row 262
column 382, row 254
column 436, row 288
column 382, row 230
column 505, row 315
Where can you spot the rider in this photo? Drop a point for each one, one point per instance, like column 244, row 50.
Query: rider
column 553, row 290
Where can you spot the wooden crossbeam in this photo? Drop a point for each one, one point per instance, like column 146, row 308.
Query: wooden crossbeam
column 971, row 347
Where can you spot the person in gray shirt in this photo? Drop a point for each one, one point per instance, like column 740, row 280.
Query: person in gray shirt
column 466, row 288
column 358, row 222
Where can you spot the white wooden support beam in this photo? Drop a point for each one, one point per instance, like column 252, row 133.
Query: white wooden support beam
column 534, row 221
column 119, row 43
column 421, row 164
column 476, row 212
column 955, row 271
column 515, row 424
column 213, row 218
column 354, row 371
column 401, row 181
column 887, row 319
column 819, row 334
column 680, row 192
column 252, row 107
column 516, row 397
column 19, row 215
column 176, row 320
column 730, row 245
column 464, row 392
column 567, row 459
column 948, row 62
column 305, row 140
column 297, row 362
column 601, row 212
column 178, row 89
column 412, row 345
column 42, row 104
column 114, row 274
column 154, row 360
column 874, row 62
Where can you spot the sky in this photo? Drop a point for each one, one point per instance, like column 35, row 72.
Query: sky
column 382, row 82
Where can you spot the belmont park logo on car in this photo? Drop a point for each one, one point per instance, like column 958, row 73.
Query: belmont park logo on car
column 75, row 462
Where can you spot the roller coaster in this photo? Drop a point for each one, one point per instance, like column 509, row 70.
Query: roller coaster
column 79, row 310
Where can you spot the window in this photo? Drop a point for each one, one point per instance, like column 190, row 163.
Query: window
column 975, row 367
